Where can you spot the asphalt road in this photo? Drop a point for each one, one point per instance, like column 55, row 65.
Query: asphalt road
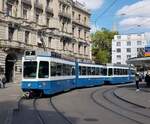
column 96, row 105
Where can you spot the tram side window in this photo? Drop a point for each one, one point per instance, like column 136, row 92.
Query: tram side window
column 97, row 71
column 53, row 68
column 115, row 71
column 104, row 71
column 59, row 69
column 43, row 70
column 109, row 71
column 73, row 70
column 126, row 71
column 93, row 70
column 66, row 70
column 83, row 71
column 89, row 71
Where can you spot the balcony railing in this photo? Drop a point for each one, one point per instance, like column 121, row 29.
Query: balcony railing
column 66, row 2
column 28, row 2
column 67, row 36
column 65, row 15
column 14, row 44
column 80, row 23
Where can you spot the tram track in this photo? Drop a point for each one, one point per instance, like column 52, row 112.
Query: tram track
column 115, row 108
column 27, row 108
column 110, row 93
column 59, row 112
column 41, row 119
column 40, row 111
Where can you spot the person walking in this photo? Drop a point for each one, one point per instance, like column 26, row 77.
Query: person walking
column 4, row 81
column 137, row 81
column 1, row 82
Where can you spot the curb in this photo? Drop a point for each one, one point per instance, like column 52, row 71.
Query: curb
column 125, row 100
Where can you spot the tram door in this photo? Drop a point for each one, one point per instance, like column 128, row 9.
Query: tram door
column 9, row 67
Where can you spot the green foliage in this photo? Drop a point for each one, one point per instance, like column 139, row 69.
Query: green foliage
column 102, row 56
column 101, row 45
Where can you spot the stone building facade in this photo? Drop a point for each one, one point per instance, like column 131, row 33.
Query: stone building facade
column 61, row 26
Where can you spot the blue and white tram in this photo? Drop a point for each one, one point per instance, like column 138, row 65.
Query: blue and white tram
column 119, row 74
column 43, row 73
column 90, row 75
column 47, row 74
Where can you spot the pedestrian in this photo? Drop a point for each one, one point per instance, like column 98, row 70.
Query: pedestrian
column 137, row 79
column 1, row 83
column 4, row 81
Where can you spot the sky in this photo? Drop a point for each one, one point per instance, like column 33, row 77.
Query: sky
column 126, row 16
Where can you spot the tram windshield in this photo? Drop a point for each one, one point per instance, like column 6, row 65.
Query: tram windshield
column 30, row 69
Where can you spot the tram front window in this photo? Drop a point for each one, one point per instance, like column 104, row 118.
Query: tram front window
column 43, row 69
column 30, row 69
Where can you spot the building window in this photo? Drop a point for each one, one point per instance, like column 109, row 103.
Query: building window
column 79, row 17
column 47, row 21
column 128, row 56
column 118, row 50
column 63, row 26
column 118, row 63
column 47, row 1
column 79, row 49
column 85, row 35
column 49, row 42
column 25, row 13
column 79, row 32
column 9, row 10
column 140, row 52
column 128, row 50
column 118, row 37
column 85, row 20
column 10, row 33
column 85, row 50
column 64, row 45
column 73, row 14
column 118, row 43
column 129, row 43
column 139, row 42
column 73, row 30
column 37, row 17
column 26, row 37
column 63, row 8
column 73, row 47
column 118, row 57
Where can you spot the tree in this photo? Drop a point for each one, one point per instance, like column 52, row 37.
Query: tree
column 101, row 45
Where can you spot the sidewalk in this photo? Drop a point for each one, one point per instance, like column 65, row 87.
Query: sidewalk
column 128, row 93
column 9, row 97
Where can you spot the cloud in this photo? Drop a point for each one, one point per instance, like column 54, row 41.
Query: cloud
column 140, row 8
column 143, row 22
column 94, row 28
column 92, row 4
column 135, row 15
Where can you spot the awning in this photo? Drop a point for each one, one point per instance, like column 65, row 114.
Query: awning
column 145, row 61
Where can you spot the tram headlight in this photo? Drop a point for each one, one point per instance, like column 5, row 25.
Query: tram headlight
column 29, row 84
column 44, row 83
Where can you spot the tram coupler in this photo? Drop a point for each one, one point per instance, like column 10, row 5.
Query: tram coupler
column 28, row 95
